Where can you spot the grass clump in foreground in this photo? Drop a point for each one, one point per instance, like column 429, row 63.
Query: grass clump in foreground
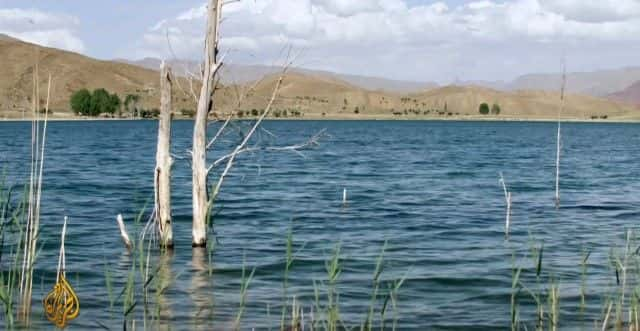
column 13, row 220
column 136, row 296
column 620, row 302
column 141, row 302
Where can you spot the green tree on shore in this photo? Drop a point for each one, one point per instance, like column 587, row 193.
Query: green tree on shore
column 495, row 109
column 131, row 104
column 484, row 108
column 81, row 102
column 96, row 103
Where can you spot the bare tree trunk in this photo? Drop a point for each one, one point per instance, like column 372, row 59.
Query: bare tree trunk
column 162, row 178
column 205, row 104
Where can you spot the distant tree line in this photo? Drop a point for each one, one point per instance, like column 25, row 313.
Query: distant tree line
column 101, row 102
column 86, row 103
column 485, row 110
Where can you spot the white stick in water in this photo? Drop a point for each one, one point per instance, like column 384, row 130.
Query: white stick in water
column 558, row 168
column 123, row 232
column 62, row 264
column 559, row 137
column 344, row 196
column 507, row 197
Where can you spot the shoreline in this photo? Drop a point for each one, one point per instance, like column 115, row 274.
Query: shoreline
column 358, row 118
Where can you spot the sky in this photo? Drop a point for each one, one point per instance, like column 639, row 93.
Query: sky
column 419, row 40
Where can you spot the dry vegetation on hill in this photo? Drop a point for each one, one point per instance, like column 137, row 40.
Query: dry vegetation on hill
column 301, row 96
column 70, row 72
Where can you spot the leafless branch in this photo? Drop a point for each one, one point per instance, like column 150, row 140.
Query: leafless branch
column 228, row 2
column 311, row 142
column 248, row 136
column 219, row 133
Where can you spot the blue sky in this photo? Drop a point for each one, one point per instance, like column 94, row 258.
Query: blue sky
column 403, row 39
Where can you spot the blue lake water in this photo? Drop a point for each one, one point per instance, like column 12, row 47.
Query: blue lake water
column 429, row 188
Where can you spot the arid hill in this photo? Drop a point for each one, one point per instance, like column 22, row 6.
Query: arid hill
column 595, row 83
column 630, row 95
column 70, row 72
column 316, row 97
column 302, row 95
column 520, row 104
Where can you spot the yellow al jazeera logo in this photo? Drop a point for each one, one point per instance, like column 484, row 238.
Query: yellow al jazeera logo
column 61, row 305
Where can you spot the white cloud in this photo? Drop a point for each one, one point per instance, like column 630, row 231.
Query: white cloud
column 594, row 11
column 47, row 29
column 389, row 36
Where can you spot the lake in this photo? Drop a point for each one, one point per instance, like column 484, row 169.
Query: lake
column 429, row 188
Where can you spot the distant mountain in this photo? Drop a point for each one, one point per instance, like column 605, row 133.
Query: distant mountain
column 70, row 72
column 240, row 74
column 597, row 83
column 316, row 97
column 303, row 93
column 496, row 85
column 630, row 95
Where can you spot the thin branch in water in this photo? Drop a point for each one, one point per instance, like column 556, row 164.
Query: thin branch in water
column 559, row 137
column 507, row 197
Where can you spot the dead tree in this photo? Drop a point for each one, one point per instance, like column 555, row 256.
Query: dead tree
column 205, row 105
column 202, row 199
column 162, row 176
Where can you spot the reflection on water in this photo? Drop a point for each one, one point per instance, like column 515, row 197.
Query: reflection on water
column 163, row 283
column 201, row 290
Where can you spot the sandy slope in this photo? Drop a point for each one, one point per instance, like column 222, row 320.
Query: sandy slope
column 309, row 96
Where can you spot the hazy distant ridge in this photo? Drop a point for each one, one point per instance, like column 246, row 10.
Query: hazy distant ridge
column 600, row 83
column 630, row 95
column 304, row 93
column 240, row 74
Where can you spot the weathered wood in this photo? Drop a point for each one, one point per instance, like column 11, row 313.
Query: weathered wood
column 123, row 232
column 162, row 177
column 205, row 104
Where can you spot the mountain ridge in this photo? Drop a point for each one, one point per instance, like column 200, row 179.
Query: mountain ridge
column 303, row 94
column 630, row 95
column 599, row 83
column 241, row 74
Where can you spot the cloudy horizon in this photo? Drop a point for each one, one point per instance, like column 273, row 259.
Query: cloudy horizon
column 440, row 41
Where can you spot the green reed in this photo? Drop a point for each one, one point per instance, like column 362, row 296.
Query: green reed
column 583, row 279
column 12, row 226
column 620, row 302
column 285, row 278
column 244, row 287
column 334, row 269
column 368, row 324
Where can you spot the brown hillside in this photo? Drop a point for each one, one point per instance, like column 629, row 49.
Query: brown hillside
column 301, row 94
column 518, row 104
column 312, row 95
column 70, row 72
